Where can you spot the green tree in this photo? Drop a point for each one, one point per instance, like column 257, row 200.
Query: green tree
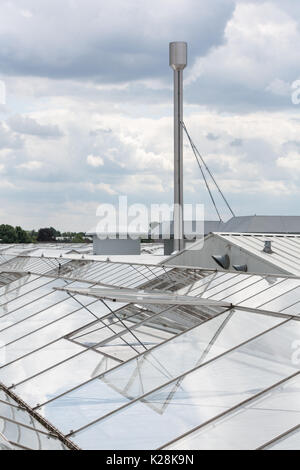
column 8, row 234
column 23, row 236
column 56, row 233
column 78, row 238
column 46, row 235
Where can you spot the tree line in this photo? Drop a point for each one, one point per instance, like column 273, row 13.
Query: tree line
column 10, row 234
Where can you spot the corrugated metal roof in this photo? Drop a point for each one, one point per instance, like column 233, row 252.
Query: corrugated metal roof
column 244, row 224
column 263, row 224
column 190, row 227
column 286, row 248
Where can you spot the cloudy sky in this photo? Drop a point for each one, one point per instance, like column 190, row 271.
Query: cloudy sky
column 88, row 109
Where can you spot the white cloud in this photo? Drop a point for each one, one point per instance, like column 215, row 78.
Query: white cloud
column 28, row 125
column 121, row 122
column 5, row 184
column 279, row 87
column 291, row 162
column 260, row 55
column 139, row 183
column 102, row 187
column 26, row 13
column 95, row 161
column 31, row 165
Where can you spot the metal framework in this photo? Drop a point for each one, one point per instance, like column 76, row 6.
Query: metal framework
column 138, row 339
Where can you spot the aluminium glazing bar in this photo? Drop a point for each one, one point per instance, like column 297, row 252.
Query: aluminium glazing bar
column 129, row 360
column 256, row 293
column 281, row 295
column 27, row 292
column 45, row 345
column 23, row 425
column 34, row 314
column 280, row 438
column 69, row 444
column 174, row 380
column 100, row 319
column 87, row 348
column 230, row 410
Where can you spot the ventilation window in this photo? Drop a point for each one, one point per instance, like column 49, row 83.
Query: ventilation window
column 223, row 261
column 240, row 267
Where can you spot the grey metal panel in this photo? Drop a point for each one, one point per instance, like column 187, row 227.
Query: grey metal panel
column 116, row 247
column 263, row 224
column 190, row 228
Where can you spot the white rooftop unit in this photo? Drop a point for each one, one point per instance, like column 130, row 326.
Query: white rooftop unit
column 117, row 244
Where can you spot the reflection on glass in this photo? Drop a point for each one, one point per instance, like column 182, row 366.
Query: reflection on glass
column 289, row 442
column 199, row 396
column 252, row 425
column 155, row 368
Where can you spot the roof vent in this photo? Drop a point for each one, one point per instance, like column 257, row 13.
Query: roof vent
column 240, row 267
column 268, row 247
column 223, row 261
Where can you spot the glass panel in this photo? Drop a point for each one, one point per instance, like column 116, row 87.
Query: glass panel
column 27, row 319
column 50, row 333
column 63, row 377
column 284, row 301
column 20, row 291
column 155, row 330
column 3, row 395
column 289, row 442
column 150, row 326
column 272, row 292
column 19, row 415
column 99, row 309
column 293, row 310
column 247, row 280
column 251, row 425
column 15, row 430
column 199, row 396
column 28, row 437
column 26, row 279
column 38, row 320
column 124, row 347
column 38, row 361
column 90, row 334
column 30, row 297
column 5, row 445
column 253, row 290
column 207, row 283
column 155, row 368
column 229, row 282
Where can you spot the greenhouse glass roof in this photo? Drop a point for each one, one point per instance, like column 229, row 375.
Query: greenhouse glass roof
column 102, row 355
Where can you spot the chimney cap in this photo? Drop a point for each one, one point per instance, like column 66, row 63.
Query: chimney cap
column 178, row 55
column 268, row 247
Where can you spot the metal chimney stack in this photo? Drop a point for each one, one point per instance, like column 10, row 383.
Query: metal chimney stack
column 178, row 61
